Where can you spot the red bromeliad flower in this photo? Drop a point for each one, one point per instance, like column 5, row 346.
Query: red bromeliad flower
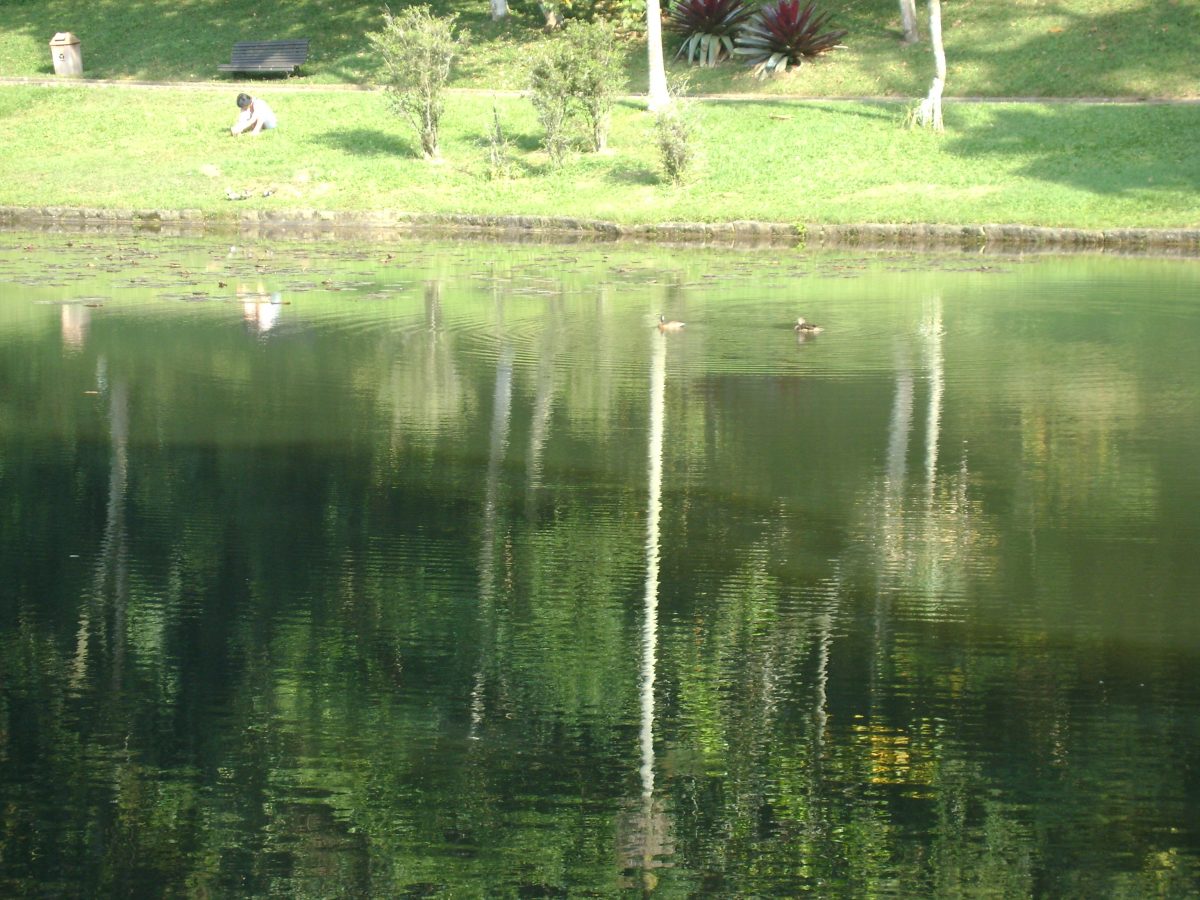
column 708, row 27
column 782, row 34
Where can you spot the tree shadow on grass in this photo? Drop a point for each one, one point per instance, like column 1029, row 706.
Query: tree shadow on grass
column 1105, row 148
column 1121, row 52
column 367, row 142
column 789, row 110
column 632, row 173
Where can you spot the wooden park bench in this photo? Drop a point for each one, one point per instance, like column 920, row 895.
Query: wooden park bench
column 266, row 56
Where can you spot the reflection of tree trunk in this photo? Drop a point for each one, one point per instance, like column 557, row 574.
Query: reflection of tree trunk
column 817, row 822
column 825, row 639
column 892, row 514
column 897, row 457
column 933, row 567
column 112, row 566
column 651, row 828
column 498, row 442
column 934, row 364
column 543, row 405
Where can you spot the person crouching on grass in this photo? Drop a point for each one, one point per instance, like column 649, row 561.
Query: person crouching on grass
column 254, row 117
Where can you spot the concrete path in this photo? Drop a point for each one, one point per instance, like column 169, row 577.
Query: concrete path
column 300, row 86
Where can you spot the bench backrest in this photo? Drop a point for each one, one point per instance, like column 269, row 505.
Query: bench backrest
column 284, row 54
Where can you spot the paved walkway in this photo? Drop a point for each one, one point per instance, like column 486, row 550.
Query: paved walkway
column 298, row 85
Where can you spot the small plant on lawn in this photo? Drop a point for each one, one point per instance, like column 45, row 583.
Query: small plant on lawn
column 596, row 77
column 576, row 75
column 418, row 49
column 782, row 34
column 675, row 133
column 499, row 149
column 550, row 93
column 708, row 28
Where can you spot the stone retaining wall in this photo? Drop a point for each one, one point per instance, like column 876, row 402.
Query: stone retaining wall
column 382, row 222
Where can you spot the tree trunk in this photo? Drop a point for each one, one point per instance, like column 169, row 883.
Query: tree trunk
column 908, row 21
column 930, row 112
column 499, row 10
column 550, row 14
column 658, row 97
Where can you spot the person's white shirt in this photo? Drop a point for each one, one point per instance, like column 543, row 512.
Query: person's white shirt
column 255, row 117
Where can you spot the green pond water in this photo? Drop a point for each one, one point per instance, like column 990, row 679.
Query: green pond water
column 433, row 569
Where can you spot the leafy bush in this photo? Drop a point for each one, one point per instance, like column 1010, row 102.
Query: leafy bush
column 550, row 93
column 418, row 49
column 576, row 75
column 625, row 15
column 708, row 27
column 781, row 34
column 674, row 135
column 675, row 132
column 499, row 149
column 597, row 75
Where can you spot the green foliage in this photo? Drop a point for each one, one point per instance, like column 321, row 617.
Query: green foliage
column 675, row 134
column 596, row 76
column 417, row 49
column 550, row 93
column 576, row 76
column 499, row 149
column 675, row 138
column 708, row 28
column 624, row 15
column 1069, row 48
column 783, row 34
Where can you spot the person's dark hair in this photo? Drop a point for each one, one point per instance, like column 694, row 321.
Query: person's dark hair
column 243, row 101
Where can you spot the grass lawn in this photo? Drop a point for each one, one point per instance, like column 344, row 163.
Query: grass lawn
column 1080, row 165
column 1067, row 48
column 780, row 159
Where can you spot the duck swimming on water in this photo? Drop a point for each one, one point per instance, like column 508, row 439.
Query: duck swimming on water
column 672, row 325
column 803, row 326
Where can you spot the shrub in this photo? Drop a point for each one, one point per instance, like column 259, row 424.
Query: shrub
column 550, row 93
column 499, row 149
column 596, row 78
column 675, row 133
column 781, row 34
column 418, row 49
column 708, row 27
column 576, row 75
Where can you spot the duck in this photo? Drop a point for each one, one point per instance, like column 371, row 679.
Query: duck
column 803, row 326
column 672, row 325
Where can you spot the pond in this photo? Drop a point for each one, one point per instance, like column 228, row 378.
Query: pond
column 433, row 568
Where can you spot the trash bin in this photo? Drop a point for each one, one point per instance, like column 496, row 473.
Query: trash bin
column 64, row 50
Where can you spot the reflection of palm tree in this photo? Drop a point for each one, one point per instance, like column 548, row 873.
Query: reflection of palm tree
column 651, row 827
column 934, row 364
column 111, row 577
column 543, row 405
column 497, row 444
column 424, row 390
column 919, row 546
column 897, row 455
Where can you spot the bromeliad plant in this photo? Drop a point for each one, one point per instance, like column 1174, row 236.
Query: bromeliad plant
column 783, row 34
column 708, row 27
